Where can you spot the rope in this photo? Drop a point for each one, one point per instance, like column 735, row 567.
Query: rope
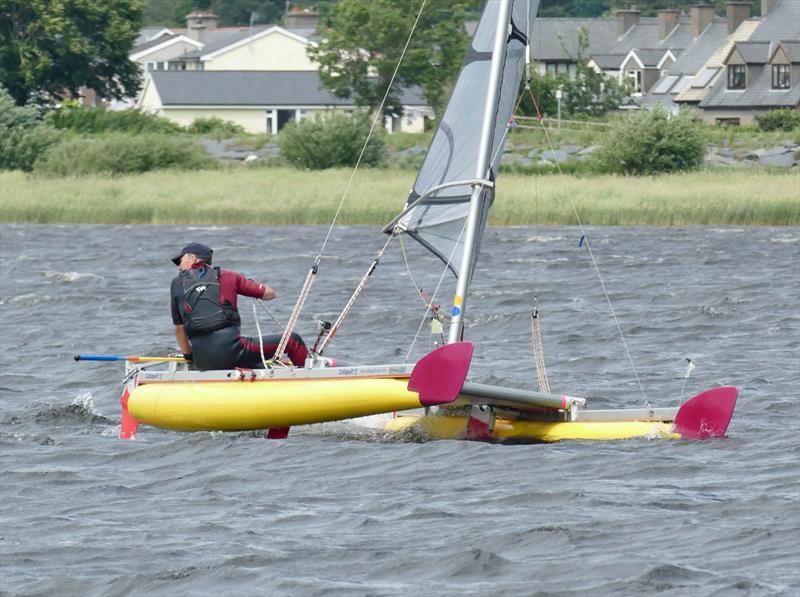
column 356, row 293
column 298, row 307
column 260, row 338
column 538, row 350
column 591, row 255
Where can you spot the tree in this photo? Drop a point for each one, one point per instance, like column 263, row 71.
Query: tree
column 51, row 48
column 591, row 93
column 360, row 51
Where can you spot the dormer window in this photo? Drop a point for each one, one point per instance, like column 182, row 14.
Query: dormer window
column 780, row 76
column 736, row 76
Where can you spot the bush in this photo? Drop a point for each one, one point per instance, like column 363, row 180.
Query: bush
column 119, row 153
column 651, row 142
column 216, row 127
column 23, row 136
column 95, row 120
column 785, row 119
column 333, row 140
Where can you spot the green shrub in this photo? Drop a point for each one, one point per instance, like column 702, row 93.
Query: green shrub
column 119, row 153
column 95, row 120
column 651, row 142
column 785, row 119
column 330, row 141
column 215, row 127
column 23, row 136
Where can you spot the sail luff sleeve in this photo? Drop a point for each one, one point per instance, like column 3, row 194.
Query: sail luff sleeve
column 438, row 220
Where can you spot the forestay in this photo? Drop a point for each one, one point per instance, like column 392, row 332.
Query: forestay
column 438, row 204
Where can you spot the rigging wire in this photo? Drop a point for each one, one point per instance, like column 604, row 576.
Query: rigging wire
column 378, row 114
column 356, row 293
column 509, row 125
column 482, row 186
column 585, row 239
column 274, row 319
column 435, row 291
column 301, row 299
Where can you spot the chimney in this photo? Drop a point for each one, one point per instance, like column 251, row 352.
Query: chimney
column 667, row 21
column 626, row 19
column 766, row 6
column 198, row 23
column 702, row 15
column 301, row 18
column 736, row 12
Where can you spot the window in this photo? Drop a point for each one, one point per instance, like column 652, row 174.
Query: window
column 704, row 78
column 636, row 78
column 736, row 76
column 780, row 76
column 665, row 83
column 728, row 121
column 561, row 68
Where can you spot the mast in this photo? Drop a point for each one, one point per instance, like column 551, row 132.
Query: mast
column 484, row 160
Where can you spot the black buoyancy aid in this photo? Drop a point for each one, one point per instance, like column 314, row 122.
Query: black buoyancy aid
column 201, row 304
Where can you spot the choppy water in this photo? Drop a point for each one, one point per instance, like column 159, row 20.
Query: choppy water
column 340, row 510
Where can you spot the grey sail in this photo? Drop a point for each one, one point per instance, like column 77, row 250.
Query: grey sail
column 445, row 181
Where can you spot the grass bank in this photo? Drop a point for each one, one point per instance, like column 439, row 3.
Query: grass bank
column 269, row 196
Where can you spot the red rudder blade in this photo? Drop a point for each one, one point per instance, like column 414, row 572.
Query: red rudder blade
column 128, row 425
column 278, row 433
column 439, row 376
column 707, row 414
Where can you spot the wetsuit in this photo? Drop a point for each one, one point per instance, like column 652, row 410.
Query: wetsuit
column 203, row 300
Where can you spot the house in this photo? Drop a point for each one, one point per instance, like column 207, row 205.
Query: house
column 643, row 67
column 260, row 101
column 259, row 77
column 686, row 81
column 555, row 43
column 761, row 73
column 625, row 46
column 203, row 45
column 267, row 49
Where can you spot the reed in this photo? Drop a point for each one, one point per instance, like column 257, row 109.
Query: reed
column 273, row 196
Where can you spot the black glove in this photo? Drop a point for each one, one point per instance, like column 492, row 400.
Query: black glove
column 187, row 357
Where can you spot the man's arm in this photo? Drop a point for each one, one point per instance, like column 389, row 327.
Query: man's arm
column 183, row 340
column 246, row 287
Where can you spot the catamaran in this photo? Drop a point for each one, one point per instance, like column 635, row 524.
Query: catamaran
column 446, row 212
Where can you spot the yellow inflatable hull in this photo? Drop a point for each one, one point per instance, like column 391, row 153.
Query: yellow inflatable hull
column 265, row 404
column 455, row 427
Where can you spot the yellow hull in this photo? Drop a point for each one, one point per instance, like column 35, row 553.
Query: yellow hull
column 237, row 406
column 449, row 427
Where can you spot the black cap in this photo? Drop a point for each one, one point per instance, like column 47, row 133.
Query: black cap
column 203, row 252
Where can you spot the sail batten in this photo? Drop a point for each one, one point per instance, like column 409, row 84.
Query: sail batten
column 439, row 203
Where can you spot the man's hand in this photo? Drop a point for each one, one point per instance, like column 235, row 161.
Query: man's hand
column 183, row 340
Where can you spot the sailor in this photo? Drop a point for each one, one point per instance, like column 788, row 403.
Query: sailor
column 203, row 302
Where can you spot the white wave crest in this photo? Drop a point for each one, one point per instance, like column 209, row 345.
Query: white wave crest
column 85, row 402
column 70, row 277
column 27, row 299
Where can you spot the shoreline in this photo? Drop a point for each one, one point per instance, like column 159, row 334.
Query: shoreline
column 278, row 196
